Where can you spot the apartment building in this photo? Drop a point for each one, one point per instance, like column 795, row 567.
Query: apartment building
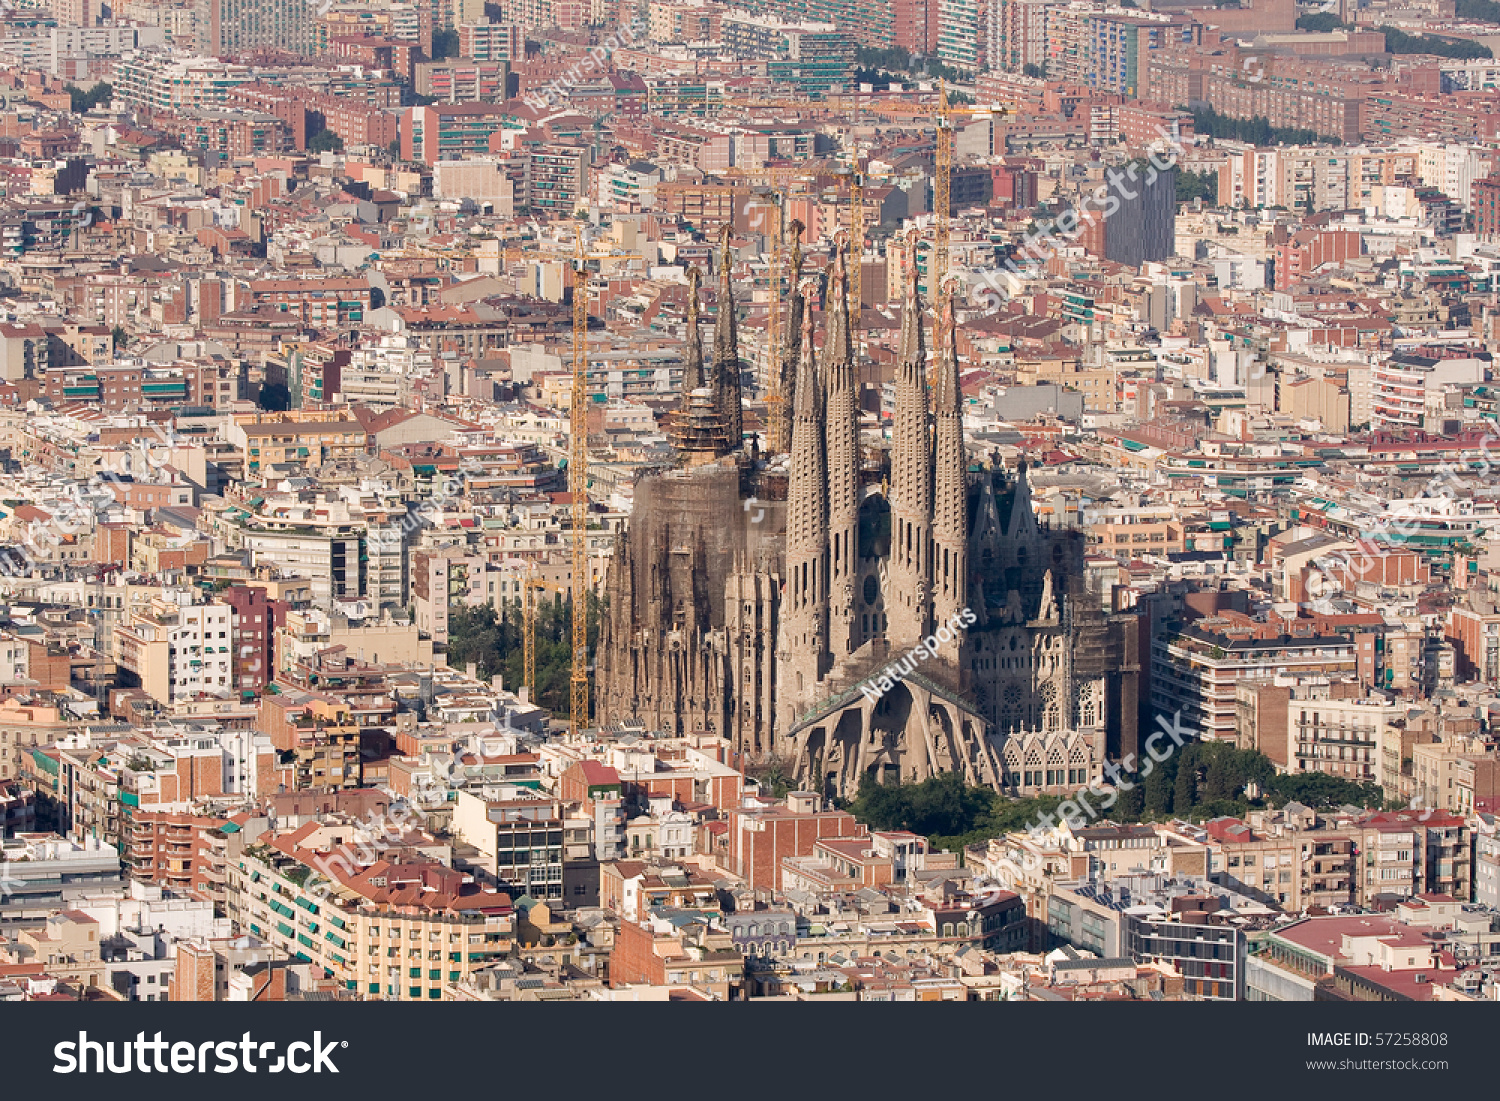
column 183, row 853
column 1413, row 852
column 1195, row 927
column 491, row 41
column 311, row 442
column 175, row 651
column 1289, row 868
column 1405, row 385
column 1196, row 670
column 229, row 28
column 557, row 178
column 320, row 303
column 698, row 954
column 48, row 874
column 760, row 839
column 519, row 835
column 167, row 84
column 320, row 732
column 397, row 929
column 1318, row 724
column 220, row 135
column 450, row 131
column 463, row 81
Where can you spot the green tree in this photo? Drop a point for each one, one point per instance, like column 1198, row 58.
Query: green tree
column 444, row 44
column 394, row 149
column 893, row 58
column 1257, row 130
column 1320, row 22
column 496, row 644
column 1156, row 794
column 1399, row 42
column 775, row 776
column 1129, row 803
column 1037, row 72
column 1185, row 784
column 119, row 337
column 325, row 141
column 1481, row 11
column 1197, row 185
column 82, row 101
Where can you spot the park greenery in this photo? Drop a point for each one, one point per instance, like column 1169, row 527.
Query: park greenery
column 325, row 141
column 1197, row 185
column 1202, row 780
column 1481, row 11
column 87, row 100
column 1256, row 131
column 876, row 65
column 1399, row 42
column 495, row 643
column 1321, row 22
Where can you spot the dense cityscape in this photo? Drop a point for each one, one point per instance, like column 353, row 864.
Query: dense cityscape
column 792, row 501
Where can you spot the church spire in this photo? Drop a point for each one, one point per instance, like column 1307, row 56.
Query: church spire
column 692, row 373
column 804, row 639
column 950, row 537
column 791, row 344
column 727, row 350
column 911, row 475
column 842, row 437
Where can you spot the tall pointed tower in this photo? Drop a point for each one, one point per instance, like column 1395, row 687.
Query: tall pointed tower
column 842, row 438
column 950, row 536
column 727, row 351
column 692, row 372
column 791, row 346
column 908, row 599
column 804, row 619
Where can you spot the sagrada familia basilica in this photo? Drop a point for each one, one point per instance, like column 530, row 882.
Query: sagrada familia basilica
column 860, row 606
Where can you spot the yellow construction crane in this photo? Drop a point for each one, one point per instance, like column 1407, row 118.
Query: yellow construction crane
column 775, row 401
column 942, row 193
column 528, row 628
column 773, row 197
column 943, row 114
column 856, row 247
column 578, row 486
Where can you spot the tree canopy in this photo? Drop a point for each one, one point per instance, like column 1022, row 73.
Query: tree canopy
column 1201, row 780
column 88, row 100
column 1320, row 22
column 325, row 141
column 496, row 645
column 1256, row 131
column 1482, row 11
column 1197, row 185
column 1399, row 42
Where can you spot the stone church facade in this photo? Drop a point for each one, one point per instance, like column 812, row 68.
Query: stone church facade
column 897, row 621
